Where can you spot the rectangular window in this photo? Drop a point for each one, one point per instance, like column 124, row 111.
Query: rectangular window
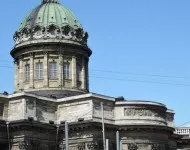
column 78, row 72
column 52, row 70
column 27, row 72
column 39, row 70
column 66, row 70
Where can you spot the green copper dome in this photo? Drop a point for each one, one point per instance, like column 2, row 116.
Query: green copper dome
column 50, row 20
column 50, row 13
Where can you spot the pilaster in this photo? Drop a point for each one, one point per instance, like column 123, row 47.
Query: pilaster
column 45, row 70
column 87, row 74
column 32, row 70
column 60, row 71
column 21, row 74
column 83, row 74
column 16, row 79
column 74, row 80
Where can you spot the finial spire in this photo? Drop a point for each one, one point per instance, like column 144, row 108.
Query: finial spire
column 50, row 1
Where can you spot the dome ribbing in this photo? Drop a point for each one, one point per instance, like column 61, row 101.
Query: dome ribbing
column 51, row 20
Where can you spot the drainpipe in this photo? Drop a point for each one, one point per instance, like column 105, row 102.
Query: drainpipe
column 8, row 135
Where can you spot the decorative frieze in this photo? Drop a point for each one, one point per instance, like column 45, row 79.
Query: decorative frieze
column 51, row 31
column 92, row 145
column 142, row 112
column 132, row 146
column 81, row 146
column 157, row 147
column 62, row 146
column 23, row 145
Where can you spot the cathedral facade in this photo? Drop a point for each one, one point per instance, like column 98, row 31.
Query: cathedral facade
column 51, row 56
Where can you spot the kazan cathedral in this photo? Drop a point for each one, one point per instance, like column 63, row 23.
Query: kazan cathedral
column 51, row 57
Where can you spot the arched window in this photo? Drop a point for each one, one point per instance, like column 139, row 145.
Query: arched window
column 27, row 72
column 78, row 71
column 39, row 71
column 53, row 70
column 66, row 70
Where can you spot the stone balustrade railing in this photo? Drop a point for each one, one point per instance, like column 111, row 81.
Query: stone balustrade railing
column 183, row 131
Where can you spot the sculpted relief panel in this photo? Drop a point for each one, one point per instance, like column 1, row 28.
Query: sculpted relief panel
column 51, row 31
column 143, row 112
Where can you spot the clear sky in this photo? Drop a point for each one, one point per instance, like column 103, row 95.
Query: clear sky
column 141, row 48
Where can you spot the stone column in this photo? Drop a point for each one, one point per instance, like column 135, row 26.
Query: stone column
column 87, row 74
column 21, row 74
column 60, row 71
column 83, row 74
column 74, row 80
column 32, row 70
column 16, row 75
column 45, row 70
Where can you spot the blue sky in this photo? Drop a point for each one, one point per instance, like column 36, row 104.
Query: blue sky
column 141, row 49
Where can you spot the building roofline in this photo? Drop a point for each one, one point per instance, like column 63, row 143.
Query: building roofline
column 140, row 102
column 61, row 99
column 87, row 96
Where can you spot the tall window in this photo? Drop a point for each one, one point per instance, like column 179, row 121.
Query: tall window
column 27, row 72
column 39, row 70
column 52, row 70
column 78, row 72
column 66, row 70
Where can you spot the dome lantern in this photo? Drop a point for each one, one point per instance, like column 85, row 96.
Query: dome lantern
column 49, row 1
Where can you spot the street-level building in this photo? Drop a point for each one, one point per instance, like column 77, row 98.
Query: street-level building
column 51, row 56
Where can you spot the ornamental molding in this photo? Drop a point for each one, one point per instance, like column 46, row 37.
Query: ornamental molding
column 144, row 112
column 51, row 32
column 81, row 146
column 50, row 48
column 23, row 145
column 92, row 145
column 132, row 146
column 157, row 147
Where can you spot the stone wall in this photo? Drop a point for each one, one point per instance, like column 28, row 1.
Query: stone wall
column 146, row 113
column 16, row 110
column 46, row 54
column 74, row 110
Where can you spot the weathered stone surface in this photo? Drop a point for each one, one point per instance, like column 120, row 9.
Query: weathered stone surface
column 52, row 86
